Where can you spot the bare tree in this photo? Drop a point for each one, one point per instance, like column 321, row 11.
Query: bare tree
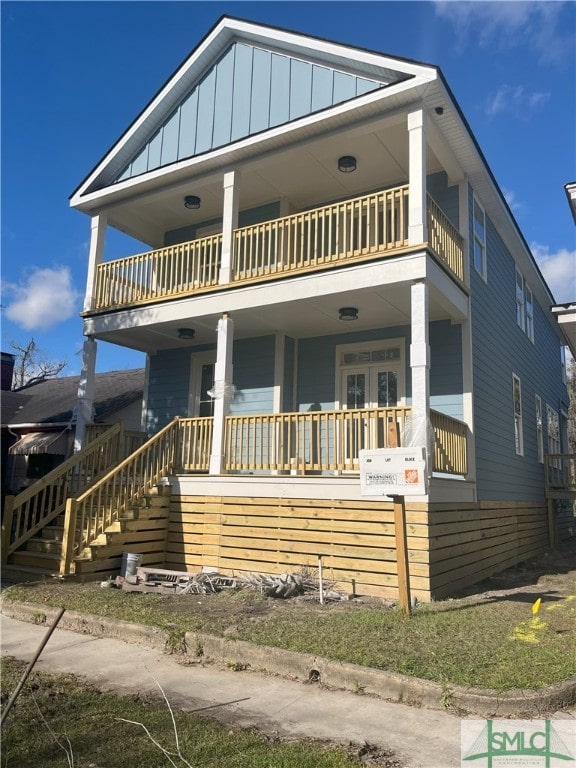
column 31, row 365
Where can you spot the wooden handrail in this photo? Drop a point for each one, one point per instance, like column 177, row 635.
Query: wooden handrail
column 118, row 492
column 445, row 240
column 43, row 501
column 450, row 454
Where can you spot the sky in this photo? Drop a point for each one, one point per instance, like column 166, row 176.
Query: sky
column 75, row 74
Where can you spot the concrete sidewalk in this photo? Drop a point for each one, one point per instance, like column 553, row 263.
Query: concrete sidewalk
column 420, row 738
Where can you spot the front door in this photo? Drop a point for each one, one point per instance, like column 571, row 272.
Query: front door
column 370, row 386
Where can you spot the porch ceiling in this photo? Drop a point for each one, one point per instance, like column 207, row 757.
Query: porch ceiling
column 316, row 315
column 305, row 174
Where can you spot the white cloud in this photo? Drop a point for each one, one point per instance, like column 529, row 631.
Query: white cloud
column 559, row 270
column 514, row 99
column 535, row 25
column 515, row 205
column 46, row 298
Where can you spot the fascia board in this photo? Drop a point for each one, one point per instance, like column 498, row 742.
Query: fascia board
column 208, row 161
column 215, row 42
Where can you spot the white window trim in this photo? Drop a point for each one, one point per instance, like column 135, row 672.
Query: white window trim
column 368, row 346
column 518, row 422
column 554, row 441
column 524, row 305
column 198, row 359
column 539, row 429
column 475, row 239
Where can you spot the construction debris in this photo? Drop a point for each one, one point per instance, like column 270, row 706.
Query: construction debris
column 304, row 584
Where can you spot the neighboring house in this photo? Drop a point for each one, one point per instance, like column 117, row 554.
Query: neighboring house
column 330, row 258
column 38, row 420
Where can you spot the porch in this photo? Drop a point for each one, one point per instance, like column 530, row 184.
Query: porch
column 355, row 230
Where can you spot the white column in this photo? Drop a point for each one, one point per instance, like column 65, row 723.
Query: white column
column 96, row 255
column 86, row 387
column 417, row 221
column 229, row 223
column 464, row 225
column 420, row 365
column 222, row 391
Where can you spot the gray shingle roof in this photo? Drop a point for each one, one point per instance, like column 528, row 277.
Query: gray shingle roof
column 53, row 400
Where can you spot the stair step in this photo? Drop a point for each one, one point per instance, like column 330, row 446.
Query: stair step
column 16, row 574
column 52, row 532
column 40, row 544
column 47, row 561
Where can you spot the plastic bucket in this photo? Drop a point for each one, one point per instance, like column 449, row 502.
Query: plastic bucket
column 130, row 562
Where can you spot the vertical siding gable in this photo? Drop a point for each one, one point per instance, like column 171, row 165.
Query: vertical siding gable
column 246, row 91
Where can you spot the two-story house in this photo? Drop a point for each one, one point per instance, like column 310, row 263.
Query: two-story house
column 327, row 255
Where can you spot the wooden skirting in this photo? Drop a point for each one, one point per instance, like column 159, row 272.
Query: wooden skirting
column 449, row 546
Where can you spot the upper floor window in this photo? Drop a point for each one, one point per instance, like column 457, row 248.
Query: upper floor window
column 539, row 429
column 479, row 239
column 553, row 430
column 518, row 426
column 524, row 306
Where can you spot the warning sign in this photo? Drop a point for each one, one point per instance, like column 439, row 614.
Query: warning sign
column 393, row 472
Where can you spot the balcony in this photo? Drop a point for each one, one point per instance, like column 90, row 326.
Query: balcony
column 365, row 228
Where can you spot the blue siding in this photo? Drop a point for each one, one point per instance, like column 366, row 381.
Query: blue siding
column 288, row 386
column 446, row 197
column 168, row 388
column 501, row 348
column 246, row 91
column 446, row 369
column 253, row 361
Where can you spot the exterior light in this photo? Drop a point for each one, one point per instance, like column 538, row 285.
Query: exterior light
column 186, row 333
column 439, row 110
column 192, row 201
column 346, row 164
column 348, row 313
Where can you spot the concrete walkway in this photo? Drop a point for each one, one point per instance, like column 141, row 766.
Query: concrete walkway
column 420, row 738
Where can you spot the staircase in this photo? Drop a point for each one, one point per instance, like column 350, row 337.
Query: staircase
column 80, row 518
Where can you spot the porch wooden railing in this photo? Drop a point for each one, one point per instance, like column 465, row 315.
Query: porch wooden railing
column 450, row 455
column 195, row 444
column 560, row 475
column 160, row 274
column 29, row 511
column 445, row 240
column 133, row 439
column 117, row 493
column 358, row 227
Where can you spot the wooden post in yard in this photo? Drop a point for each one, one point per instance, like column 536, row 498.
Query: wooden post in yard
column 400, row 532
column 68, row 537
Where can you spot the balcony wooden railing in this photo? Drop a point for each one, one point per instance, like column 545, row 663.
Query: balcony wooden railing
column 367, row 227
column 363, row 226
column 172, row 271
column 117, row 492
column 450, row 455
column 445, row 240
column 195, row 444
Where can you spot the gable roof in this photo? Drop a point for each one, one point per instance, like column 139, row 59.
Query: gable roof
column 244, row 79
column 53, row 401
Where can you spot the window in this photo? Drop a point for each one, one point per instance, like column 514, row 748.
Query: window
column 524, row 306
column 553, row 430
column 518, row 429
column 479, row 239
column 539, row 430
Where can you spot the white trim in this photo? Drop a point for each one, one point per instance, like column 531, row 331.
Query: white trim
column 197, row 361
column 417, row 203
column 518, row 416
column 539, row 411
column 96, row 255
column 464, row 224
column 223, row 375
column 231, row 184
column 468, row 393
column 278, row 391
column 86, row 385
column 145, row 395
column 484, row 271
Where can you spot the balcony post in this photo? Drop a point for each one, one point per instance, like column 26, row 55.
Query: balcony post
column 95, row 257
column 86, row 385
column 420, row 367
column 417, row 219
column 229, row 224
column 222, row 392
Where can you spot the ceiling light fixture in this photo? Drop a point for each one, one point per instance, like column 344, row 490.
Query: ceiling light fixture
column 348, row 313
column 186, row 333
column 192, row 201
column 346, row 164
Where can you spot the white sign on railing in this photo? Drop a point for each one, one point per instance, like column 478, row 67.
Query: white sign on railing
column 393, row 472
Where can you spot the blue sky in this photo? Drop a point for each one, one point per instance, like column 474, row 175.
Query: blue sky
column 75, row 74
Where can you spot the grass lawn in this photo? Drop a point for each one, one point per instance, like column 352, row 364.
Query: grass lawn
column 493, row 642
column 57, row 714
